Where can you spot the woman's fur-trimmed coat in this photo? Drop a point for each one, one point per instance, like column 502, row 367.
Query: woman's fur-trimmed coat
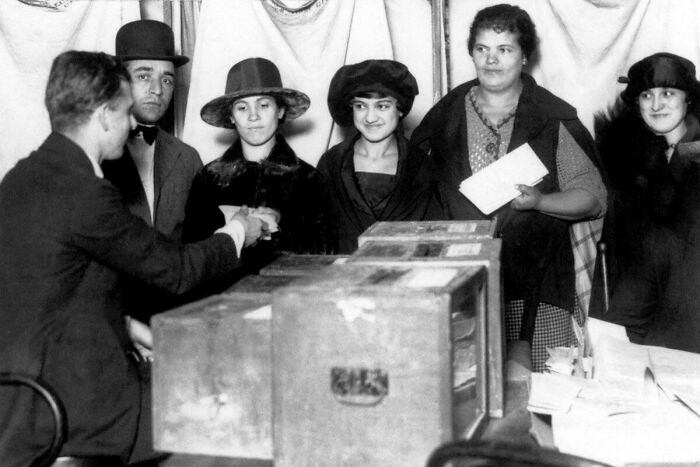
column 282, row 182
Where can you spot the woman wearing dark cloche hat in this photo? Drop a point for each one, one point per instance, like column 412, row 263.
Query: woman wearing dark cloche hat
column 651, row 147
column 371, row 176
column 260, row 171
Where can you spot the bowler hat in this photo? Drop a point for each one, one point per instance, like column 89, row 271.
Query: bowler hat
column 147, row 40
column 661, row 70
column 384, row 76
column 253, row 77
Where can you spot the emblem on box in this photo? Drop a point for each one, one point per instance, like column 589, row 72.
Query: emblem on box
column 359, row 386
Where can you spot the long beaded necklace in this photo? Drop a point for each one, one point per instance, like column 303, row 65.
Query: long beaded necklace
column 494, row 144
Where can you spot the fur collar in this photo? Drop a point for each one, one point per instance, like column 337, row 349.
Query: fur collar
column 232, row 164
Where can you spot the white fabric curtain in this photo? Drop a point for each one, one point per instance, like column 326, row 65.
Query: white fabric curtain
column 308, row 49
column 30, row 38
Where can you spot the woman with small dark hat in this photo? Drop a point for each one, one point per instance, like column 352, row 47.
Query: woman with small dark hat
column 259, row 172
column 651, row 146
column 372, row 176
column 480, row 121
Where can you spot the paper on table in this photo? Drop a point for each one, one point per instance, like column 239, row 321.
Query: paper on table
column 552, row 392
column 621, row 418
column 662, row 434
column 493, row 186
column 678, row 374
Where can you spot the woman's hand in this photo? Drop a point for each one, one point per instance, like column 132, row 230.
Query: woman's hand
column 529, row 198
column 572, row 205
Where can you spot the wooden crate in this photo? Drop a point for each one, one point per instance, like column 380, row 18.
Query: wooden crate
column 486, row 252
column 377, row 366
column 212, row 378
column 259, row 285
column 300, row 265
column 428, row 230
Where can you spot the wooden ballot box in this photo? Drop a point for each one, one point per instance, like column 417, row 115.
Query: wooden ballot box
column 376, row 366
column 254, row 284
column 428, row 230
column 486, row 252
column 300, row 265
column 212, row 378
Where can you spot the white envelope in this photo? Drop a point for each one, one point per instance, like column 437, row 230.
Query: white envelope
column 493, row 186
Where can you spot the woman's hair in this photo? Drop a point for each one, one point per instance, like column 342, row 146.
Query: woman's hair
column 504, row 17
column 376, row 95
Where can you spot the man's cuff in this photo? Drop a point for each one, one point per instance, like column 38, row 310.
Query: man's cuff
column 236, row 231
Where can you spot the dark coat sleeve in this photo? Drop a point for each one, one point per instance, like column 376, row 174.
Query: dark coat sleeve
column 106, row 230
column 202, row 213
column 640, row 293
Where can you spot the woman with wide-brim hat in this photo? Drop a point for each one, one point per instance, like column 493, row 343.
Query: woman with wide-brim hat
column 651, row 147
column 260, row 171
column 372, row 176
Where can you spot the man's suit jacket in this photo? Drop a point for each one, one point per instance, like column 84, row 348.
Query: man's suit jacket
column 175, row 166
column 66, row 241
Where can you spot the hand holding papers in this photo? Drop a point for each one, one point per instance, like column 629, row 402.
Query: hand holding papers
column 494, row 186
column 268, row 215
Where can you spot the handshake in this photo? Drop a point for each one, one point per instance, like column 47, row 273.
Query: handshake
column 258, row 223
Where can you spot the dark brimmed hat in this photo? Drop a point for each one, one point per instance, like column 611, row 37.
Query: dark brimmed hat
column 253, row 77
column 383, row 76
column 661, row 70
column 147, row 40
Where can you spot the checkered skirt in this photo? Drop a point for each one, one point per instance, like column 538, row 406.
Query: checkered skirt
column 553, row 328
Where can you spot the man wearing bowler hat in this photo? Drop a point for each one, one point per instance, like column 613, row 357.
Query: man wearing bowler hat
column 155, row 174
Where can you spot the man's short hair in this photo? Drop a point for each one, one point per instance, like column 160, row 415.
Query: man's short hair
column 79, row 82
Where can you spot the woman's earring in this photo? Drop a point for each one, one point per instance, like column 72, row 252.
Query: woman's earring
column 524, row 61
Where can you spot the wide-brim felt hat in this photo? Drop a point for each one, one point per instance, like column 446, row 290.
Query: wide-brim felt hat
column 661, row 70
column 387, row 77
column 253, row 77
column 147, row 40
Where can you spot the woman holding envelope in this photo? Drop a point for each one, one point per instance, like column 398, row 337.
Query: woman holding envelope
column 651, row 145
column 372, row 176
column 479, row 122
column 259, row 172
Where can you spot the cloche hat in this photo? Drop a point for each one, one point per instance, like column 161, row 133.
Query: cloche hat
column 252, row 77
column 661, row 70
column 385, row 76
column 147, row 40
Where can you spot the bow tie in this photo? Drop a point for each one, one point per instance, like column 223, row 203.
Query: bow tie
column 149, row 133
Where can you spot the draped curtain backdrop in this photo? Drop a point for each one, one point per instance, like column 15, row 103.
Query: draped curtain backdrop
column 584, row 46
column 30, row 38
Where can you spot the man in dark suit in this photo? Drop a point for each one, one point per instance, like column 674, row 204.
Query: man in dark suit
column 67, row 241
column 156, row 172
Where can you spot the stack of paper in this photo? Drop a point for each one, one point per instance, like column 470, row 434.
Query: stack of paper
column 553, row 393
column 641, row 407
column 494, row 185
